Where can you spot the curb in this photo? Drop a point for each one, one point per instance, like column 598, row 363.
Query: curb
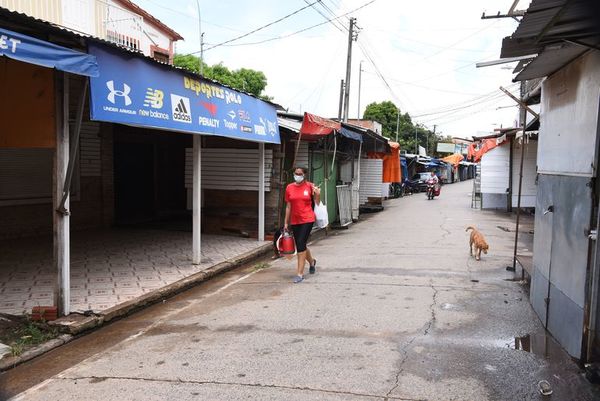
column 12, row 361
column 75, row 323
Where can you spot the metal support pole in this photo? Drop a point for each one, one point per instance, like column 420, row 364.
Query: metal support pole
column 348, row 69
column 61, row 221
column 197, row 201
column 261, row 191
column 523, row 118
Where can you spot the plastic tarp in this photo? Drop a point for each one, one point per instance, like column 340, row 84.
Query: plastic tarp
column 487, row 145
column 34, row 51
column 315, row 127
column 454, row 159
column 351, row 135
column 392, row 172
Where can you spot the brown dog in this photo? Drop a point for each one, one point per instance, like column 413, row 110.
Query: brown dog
column 478, row 240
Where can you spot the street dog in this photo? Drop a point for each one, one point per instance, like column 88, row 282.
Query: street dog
column 478, row 241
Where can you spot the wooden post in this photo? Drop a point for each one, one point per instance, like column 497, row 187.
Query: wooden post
column 62, row 295
column 197, row 201
column 261, row 191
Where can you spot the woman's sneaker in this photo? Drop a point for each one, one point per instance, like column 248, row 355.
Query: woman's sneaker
column 298, row 279
column 313, row 268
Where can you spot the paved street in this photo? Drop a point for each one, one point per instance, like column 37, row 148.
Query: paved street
column 397, row 310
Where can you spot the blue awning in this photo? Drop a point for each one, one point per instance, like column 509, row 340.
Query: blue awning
column 135, row 91
column 351, row 135
column 34, row 51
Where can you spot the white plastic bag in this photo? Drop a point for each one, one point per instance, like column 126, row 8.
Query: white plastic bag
column 322, row 218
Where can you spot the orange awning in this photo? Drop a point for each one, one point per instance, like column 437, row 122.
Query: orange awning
column 391, row 163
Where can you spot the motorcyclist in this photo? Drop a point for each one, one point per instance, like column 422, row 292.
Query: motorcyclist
column 433, row 179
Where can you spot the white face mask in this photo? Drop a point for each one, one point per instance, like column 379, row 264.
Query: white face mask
column 298, row 178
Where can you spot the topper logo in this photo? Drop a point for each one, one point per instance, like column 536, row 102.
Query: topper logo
column 121, row 93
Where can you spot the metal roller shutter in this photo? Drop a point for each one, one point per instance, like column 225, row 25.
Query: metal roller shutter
column 371, row 173
column 230, row 169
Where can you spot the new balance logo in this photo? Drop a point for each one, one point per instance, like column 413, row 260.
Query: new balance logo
column 180, row 107
column 121, row 93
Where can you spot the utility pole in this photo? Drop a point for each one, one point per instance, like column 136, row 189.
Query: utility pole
column 202, row 53
column 397, row 123
column 201, row 69
column 352, row 36
column 341, row 100
column 416, row 141
column 434, row 127
column 359, row 84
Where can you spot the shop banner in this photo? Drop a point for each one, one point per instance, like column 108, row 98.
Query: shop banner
column 135, row 91
column 34, row 51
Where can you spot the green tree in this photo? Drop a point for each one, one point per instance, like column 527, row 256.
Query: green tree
column 243, row 79
column 389, row 115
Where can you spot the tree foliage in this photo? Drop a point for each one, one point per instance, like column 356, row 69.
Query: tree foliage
column 390, row 117
column 243, row 79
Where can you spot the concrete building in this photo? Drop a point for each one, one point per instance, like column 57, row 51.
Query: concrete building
column 559, row 40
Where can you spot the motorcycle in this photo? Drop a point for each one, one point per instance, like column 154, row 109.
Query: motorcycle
column 409, row 187
column 432, row 190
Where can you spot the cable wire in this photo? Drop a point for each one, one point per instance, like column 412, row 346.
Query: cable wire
column 259, row 28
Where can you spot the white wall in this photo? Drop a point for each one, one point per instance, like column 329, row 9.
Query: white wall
column 494, row 170
column 528, row 187
column 569, row 118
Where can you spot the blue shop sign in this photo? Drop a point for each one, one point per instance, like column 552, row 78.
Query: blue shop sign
column 132, row 90
column 34, row 51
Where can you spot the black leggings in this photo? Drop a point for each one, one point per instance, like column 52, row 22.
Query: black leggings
column 301, row 234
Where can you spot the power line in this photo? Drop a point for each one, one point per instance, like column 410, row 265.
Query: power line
column 324, row 16
column 301, row 30
column 260, row 28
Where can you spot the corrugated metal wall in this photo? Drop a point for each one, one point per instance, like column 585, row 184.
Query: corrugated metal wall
column 48, row 10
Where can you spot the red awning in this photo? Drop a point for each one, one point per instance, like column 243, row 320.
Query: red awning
column 315, row 127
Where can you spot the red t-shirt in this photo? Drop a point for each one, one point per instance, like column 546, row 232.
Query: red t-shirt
column 300, row 199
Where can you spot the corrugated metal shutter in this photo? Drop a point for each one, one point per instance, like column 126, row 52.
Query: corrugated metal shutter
column 302, row 156
column 89, row 146
column 528, row 187
column 494, row 170
column 26, row 175
column 371, row 173
column 229, row 169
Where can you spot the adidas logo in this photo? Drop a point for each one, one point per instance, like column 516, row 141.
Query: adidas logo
column 181, row 109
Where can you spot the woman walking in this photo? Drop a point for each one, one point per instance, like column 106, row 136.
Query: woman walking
column 299, row 197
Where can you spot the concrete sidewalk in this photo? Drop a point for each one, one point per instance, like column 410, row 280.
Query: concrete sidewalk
column 108, row 267
column 397, row 310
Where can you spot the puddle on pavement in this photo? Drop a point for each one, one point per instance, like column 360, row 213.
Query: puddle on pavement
column 541, row 345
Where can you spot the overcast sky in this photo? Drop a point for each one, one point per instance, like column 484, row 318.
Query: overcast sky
column 425, row 50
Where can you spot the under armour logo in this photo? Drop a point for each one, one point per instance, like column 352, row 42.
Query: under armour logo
column 113, row 92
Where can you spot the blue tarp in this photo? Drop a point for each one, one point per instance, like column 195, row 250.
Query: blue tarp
column 135, row 91
column 351, row 134
column 34, row 51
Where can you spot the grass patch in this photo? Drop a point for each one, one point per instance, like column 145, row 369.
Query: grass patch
column 261, row 266
column 21, row 334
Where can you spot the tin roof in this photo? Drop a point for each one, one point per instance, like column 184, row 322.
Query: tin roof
column 557, row 30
